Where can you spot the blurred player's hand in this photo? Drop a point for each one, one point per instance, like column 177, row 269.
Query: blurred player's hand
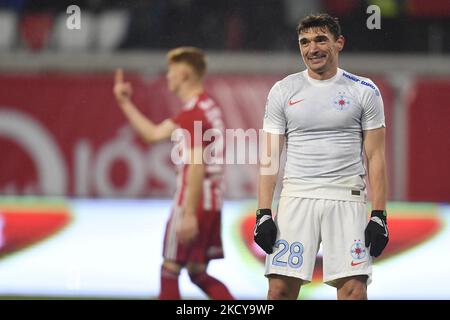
column 265, row 232
column 376, row 233
column 187, row 231
column 122, row 90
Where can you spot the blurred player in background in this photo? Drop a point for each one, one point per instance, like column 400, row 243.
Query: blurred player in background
column 193, row 232
column 328, row 118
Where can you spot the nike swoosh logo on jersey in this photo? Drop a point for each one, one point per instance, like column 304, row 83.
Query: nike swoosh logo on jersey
column 291, row 103
column 356, row 263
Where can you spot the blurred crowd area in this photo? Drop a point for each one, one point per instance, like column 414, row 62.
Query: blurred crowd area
column 406, row 25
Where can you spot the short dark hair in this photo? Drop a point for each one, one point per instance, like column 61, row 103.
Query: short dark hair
column 192, row 56
column 321, row 21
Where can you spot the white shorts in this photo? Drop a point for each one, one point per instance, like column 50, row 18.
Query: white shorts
column 305, row 223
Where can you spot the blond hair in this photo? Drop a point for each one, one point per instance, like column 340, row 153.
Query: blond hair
column 193, row 57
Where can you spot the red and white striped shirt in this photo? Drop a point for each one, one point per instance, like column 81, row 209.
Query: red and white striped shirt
column 202, row 123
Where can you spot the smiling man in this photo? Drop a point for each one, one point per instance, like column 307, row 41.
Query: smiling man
column 328, row 119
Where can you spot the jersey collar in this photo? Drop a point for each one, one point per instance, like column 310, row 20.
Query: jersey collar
column 193, row 101
column 321, row 83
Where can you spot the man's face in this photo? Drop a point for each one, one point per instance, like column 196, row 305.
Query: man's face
column 177, row 73
column 319, row 49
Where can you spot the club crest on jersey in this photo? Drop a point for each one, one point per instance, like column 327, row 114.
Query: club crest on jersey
column 341, row 101
column 358, row 251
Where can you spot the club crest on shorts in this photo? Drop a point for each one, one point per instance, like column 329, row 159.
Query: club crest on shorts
column 358, row 251
column 341, row 101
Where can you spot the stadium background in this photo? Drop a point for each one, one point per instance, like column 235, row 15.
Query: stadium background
column 84, row 202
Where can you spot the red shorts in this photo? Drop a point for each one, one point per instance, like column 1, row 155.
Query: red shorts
column 207, row 245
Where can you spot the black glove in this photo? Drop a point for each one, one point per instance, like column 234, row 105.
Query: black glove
column 376, row 233
column 265, row 232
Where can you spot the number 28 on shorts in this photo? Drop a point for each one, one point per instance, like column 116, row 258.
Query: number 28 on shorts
column 293, row 252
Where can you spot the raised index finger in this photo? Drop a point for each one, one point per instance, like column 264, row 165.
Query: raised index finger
column 119, row 75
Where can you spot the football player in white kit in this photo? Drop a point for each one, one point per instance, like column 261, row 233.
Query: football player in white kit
column 328, row 118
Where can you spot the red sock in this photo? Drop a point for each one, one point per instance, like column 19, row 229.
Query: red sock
column 169, row 285
column 215, row 289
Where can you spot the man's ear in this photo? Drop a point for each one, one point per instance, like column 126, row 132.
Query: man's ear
column 340, row 43
column 187, row 73
column 184, row 75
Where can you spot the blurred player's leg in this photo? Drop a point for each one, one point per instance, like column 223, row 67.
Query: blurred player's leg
column 283, row 287
column 215, row 289
column 170, row 272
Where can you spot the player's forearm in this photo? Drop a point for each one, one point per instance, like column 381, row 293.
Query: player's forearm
column 266, row 187
column 195, row 176
column 378, row 181
column 269, row 165
column 144, row 127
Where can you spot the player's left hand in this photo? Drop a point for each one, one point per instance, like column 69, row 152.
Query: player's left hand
column 376, row 233
column 188, row 229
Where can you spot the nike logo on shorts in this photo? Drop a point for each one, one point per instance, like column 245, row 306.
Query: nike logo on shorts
column 356, row 263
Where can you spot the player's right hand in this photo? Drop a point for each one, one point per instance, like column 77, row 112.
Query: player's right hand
column 122, row 90
column 265, row 232
column 187, row 231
